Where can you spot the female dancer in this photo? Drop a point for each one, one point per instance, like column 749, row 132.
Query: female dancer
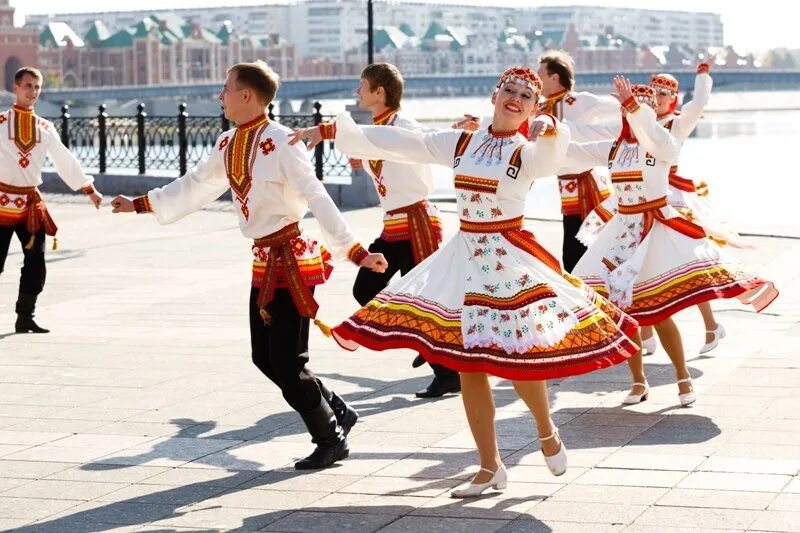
column 492, row 300
column 648, row 258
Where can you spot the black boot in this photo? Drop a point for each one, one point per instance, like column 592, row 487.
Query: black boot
column 346, row 416
column 441, row 386
column 26, row 303
column 327, row 435
column 418, row 361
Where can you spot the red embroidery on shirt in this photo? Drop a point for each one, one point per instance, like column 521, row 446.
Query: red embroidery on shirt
column 23, row 160
column 223, row 143
column 2, row 119
column 570, row 100
column 267, row 147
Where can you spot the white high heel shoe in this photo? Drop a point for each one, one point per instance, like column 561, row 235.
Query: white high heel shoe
column 687, row 398
column 499, row 481
column 649, row 345
column 719, row 334
column 633, row 399
column 557, row 464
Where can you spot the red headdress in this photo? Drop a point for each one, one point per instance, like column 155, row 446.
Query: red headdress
column 669, row 83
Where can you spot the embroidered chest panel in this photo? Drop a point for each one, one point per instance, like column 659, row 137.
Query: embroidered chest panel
column 376, row 165
column 23, row 131
column 241, row 151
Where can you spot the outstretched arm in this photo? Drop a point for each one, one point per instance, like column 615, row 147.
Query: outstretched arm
column 380, row 142
column 297, row 169
column 69, row 168
column 200, row 186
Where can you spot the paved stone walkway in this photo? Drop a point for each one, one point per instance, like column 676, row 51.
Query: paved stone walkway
column 142, row 411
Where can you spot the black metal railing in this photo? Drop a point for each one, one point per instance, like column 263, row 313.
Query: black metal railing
column 171, row 143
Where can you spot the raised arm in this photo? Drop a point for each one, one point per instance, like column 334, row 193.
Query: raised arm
column 653, row 137
column 691, row 112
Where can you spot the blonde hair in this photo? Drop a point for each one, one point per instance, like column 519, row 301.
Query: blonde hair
column 257, row 77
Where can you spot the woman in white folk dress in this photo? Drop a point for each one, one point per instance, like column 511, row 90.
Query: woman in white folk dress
column 648, row 258
column 492, row 300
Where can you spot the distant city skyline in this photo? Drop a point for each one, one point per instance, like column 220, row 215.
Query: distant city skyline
column 747, row 29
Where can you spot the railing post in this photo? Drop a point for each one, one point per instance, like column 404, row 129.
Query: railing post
column 270, row 108
column 183, row 143
column 103, row 140
column 142, row 140
column 319, row 150
column 65, row 125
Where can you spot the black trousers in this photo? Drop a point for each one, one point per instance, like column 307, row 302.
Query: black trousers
column 280, row 350
column 572, row 249
column 34, row 271
column 368, row 283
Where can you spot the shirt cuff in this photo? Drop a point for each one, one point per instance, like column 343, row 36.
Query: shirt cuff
column 550, row 129
column 88, row 189
column 631, row 104
column 357, row 254
column 328, row 130
column 142, row 204
column 703, row 68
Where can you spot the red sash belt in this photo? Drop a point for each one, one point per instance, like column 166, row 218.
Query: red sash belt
column 37, row 214
column 513, row 232
column 589, row 195
column 652, row 212
column 280, row 248
column 424, row 240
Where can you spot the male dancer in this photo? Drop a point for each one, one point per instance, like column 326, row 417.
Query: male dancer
column 25, row 142
column 411, row 226
column 273, row 185
column 589, row 118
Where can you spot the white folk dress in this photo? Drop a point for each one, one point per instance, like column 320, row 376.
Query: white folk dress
column 685, row 195
column 649, row 259
column 491, row 299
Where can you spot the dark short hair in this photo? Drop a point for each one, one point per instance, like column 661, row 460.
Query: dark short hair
column 27, row 71
column 561, row 63
column 257, row 77
column 387, row 76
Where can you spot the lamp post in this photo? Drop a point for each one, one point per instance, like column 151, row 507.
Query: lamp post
column 370, row 42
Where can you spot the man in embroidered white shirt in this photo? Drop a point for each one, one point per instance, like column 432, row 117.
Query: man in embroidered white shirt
column 273, row 186
column 26, row 141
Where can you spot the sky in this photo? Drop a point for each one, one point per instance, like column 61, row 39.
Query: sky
column 771, row 25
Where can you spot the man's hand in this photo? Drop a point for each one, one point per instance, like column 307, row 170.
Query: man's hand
column 468, row 123
column 375, row 262
column 623, row 87
column 96, row 198
column 312, row 135
column 122, row 204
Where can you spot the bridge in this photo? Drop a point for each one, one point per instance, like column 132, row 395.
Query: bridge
column 444, row 85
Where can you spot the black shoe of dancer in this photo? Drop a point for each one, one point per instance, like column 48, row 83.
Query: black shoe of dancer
column 346, row 416
column 327, row 435
column 441, row 386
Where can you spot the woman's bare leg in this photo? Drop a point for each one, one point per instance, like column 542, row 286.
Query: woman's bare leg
column 476, row 394
column 636, row 366
column 708, row 319
column 534, row 394
column 670, row 339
